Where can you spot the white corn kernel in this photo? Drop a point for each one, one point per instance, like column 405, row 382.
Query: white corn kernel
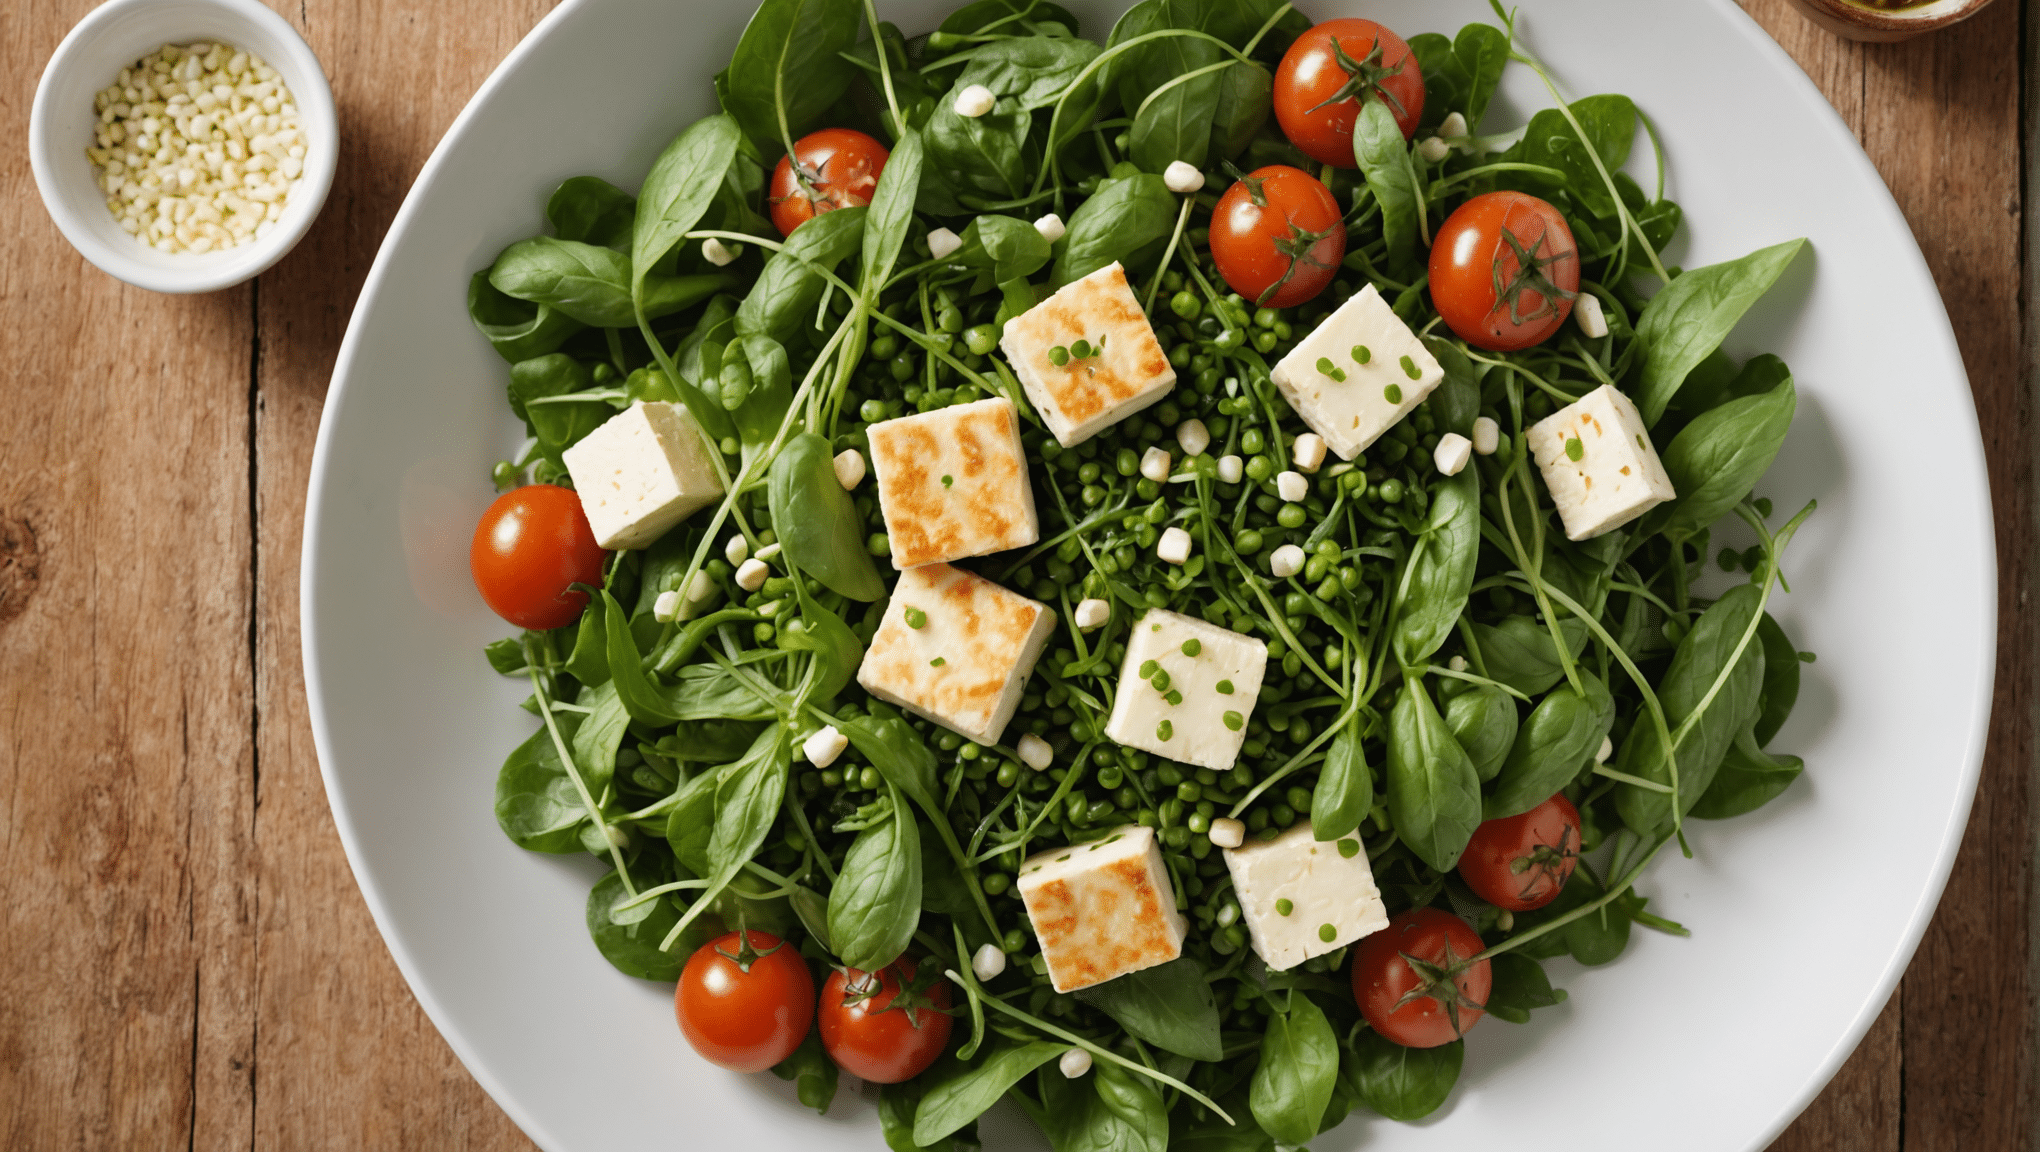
column 736, row 550
column 942, row 243
column 1587, row 310
column 974, row 101
column 700, row 588
column 823, row 747
column 1034, row 752
column 751, row 574
column 988, row 962
column 1154, row 464
column 768, row 551
column 1452, row 453
column 667, row 607
column 1193, row 437
column 1487, row 436
column 1454, row 126
column 1050, row 227
column 1308, row 452
column 1075, row 1063
column 1433, row 149
column 1230, row 469
column 1174, row 546
column 1457, row 663
column 1287, row 561
column 1291, row 486
column 1182, row 177
column 849, row 468
column 1606, row 750
column 1227, row 832
column 1092, row 614
column 717, row 253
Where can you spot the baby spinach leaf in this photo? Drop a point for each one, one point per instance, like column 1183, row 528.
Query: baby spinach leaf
column 764, row 408
column 1434, row 592
column 789, row 288
column 1292, row 1084
column 1191, row 1134
column 1601, row 936
column 818, row 523
column 812, row 1072
column 1519, row 651
column 1700, row 658
column 1455, row 403
column 1716, row 380
column 537, row 805
column 708, row 692
column 589, row 660
column 1433, row 789
column 1692, row 316
column 692, row 822
column 1125, row 217
column 898, row 752
column 595, row 742
column 981, row 14
column 1749, row 779
column 633, row 947
column 1781, row 680
column 557, row 426
column 587, row 283
column 876, row 903
column 1032, row 71
column 593, row 211
column 891, row 214
column 790, row 58
column 1483, row 720
column 1007, row 248
column 1401, row 1083
column 1610, row 125
column 897, row 1104
column 1246, row 93
column 1383, row 157
column 960, row 1093
column 683, row 182
column 516, row 329
column 1481, row 51
column 747, row 800
column 1715, row 460
column 1106, row 1111
column 1562, row 733
column 982, row 155
column 837, row 650
column 1175, row 122
column 1169, row 1006
column 1444, row 79
column 1519, row 986
column 1345, row 787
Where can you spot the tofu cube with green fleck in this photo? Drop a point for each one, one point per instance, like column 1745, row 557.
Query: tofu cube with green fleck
column 957, row 649
column 1087, row 356
column 953, row 483
column 1357, row 374
column 1102, row 909
column 1187, row 689
column 1302, row 897
column 1598, row 461
column 642, row 471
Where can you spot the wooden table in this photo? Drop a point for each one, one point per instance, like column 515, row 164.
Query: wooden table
column 184, row 958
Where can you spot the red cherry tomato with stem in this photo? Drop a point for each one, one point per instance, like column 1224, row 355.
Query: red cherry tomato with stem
column 1522, row 862
column 839, row 166
column 1413, row 982
column 1504, row 271
column 1277, row 236
column 1327, row 73
column 531, row 544
column 888, row 1026
column 745, row 1001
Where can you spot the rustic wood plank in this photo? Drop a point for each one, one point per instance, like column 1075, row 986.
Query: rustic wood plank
column 347, row 1058
column 127, row 959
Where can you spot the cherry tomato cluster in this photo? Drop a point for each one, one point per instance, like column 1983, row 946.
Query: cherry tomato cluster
column 746, row 1000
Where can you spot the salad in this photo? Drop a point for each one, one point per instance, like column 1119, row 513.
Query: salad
column 1154, row 577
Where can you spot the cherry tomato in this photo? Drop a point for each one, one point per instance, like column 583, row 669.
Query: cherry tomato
column 1522, row 862
column 1277, row 236
column 1327, row 73
column 532, row 543
column 1436, row 1000
column 745, row 1001
column 841, row 165
column 1504, row 271
column 885, row 1027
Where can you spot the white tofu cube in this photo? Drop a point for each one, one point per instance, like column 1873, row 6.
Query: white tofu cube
column 953, row 483
column 1081, row 396
column 644, row 470
column 1303, row 897
column 1102, row 909
column 1598, row 461
column 957, row 649
column 1209, row 679
column 1379, row 372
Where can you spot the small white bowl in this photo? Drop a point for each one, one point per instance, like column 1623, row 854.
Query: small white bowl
column 60, row 128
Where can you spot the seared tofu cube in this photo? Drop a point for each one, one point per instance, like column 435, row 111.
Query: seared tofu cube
column 957, row 649
column 1357, row 374
column 1598, row 461
column 644, row 470
column 1187, row 689
column 1102, row 909
column 1303, row 897
column 953, row 483
column 1087, row 357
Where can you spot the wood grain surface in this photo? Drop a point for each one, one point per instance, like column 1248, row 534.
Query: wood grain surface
column 184, row 958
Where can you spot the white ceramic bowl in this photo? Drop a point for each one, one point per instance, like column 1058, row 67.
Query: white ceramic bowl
column 60, row 128
column 1682, row 1045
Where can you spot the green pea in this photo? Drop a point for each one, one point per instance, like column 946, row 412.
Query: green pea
column 869, row 779
column 1209, row 380
column 1186, row 304
column 1015, row 941
column 1171, row 812
column 504, row 474
column 949, row 320
column 1189, row 791
column 1329, row 588
column 1247, row 542
column 1009, row 774
column 885, row 347
column 1178, row 837
column 879, row 544
column 831, row 778
column 1089, row 473
column 903, row 367
column 1391, row 491
column 996, row 883
column 1147, row 489
column 1230, row 339
column 1291, row 516
column 1192, row 647
column 1252, row 441
column 1179, row 357
column 1283, row 816
column 1292, row 664
column 1265, row 341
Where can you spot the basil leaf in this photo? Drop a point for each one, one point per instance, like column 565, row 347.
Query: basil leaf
column 1561, row 735
column 1519, row 986
column 681, row 185
column 811, row 1070
column 692, row 822
column 516, row 329
column 898, row 752
column 1690, row 318
column 633, row 947
column 1032, row 71
column 537, row 805
column 1455, row 403
column 1106, row 1111
column 982, row 155
column 1481, row 51
column 817, row 522
column 592, row 210
column 1292, row 1084
column 558, row 427
column 1246, row 94
column 1717, row 459
column 1006, row 247
column 837, row 649
column 1433, row 790
column 1120, row 222
column 1175, row 122
column 789, row 288
column 1434, row 592
column 876, row 903
column 897, row 1104
column 789, row 59
column 1384, row 159
column 587, row 283
column 960, row 1093
column 1610, row 124
column 595, row 742
column 1401, row 1083
column 1749, row 779
column 1345, row 787
column 891, row 215
column 746, row 803
column 1169, row 1006
column 1781, row 680
column 1519, row 651
column 1483, row 720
